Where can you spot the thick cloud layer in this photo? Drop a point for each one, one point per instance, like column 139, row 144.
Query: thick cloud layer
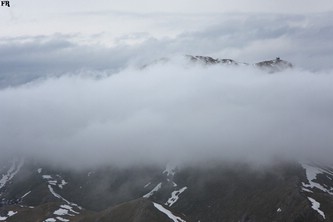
column 174, row 111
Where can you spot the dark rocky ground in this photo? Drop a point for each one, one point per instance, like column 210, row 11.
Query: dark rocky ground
column 206, row 193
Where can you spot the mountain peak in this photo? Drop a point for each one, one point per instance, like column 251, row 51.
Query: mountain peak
column 274, row 65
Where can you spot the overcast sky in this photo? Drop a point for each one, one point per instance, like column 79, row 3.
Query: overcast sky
column 36, row 37
column 128, row 16
column 70, row 83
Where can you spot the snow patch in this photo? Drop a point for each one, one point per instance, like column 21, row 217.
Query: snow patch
column 50, row 220
column 175, row 196
column 279, row 210
column 65, row 210
column 151, row 193
column 147, row 185
column 62, row 219
column 26, row 194
column 39, row 170
column 170, row 170
column 61, row 212
column 307, row 190
column 168, row 213
column 60, row 197
column 47, row 177
column 69, row 208
column 311, row 175
column 52, row 182
column 315, row 206
column 62, row 184
column 13, row 170
column 11, row 213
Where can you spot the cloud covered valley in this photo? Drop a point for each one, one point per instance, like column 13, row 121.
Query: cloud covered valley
column 177, row 111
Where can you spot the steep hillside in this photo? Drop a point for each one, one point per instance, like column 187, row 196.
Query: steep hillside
column 214, row 192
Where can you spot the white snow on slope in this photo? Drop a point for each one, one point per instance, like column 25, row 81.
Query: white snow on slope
column 13, row 170
column 53, row 182
column 306, row 190
column 62, row 219
column 62, row 184
column 26, row 194
column 47, row 177
column 9, row 214
column 168, row 213
column 65, row 210
column 170, row 170
column 61, row 198
column 315, row 206
column 69, row 208
column 61, row 212
column 311, row 174
column 175, row 196
column 151, row 193
column 50, row 220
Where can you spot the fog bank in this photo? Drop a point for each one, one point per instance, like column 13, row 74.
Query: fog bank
column 170, row 112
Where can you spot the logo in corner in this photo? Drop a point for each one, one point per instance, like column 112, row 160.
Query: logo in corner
column 5, row 3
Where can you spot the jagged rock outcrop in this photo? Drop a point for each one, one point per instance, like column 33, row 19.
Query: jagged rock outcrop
column 270, row 66
column 274, row 65
column 209, row 60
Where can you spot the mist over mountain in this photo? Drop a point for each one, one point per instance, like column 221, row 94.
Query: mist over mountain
column 179, row 110
column 166, row 111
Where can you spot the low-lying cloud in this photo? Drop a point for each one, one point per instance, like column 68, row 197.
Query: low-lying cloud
column 170, row 112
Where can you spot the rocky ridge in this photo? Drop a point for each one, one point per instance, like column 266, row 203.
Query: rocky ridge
column 275, row 65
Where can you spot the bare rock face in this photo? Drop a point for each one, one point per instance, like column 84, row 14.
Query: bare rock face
column 270, row 66
column 210, row 61
column 275, row 65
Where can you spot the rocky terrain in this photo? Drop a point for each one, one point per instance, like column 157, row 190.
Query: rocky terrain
column 285, row 191
column 270, row 66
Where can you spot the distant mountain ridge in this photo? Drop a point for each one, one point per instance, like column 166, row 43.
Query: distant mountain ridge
column 270, row 66
column 274, row 65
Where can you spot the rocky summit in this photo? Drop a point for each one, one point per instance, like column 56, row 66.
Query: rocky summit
column 271, row 66
column 281, row 192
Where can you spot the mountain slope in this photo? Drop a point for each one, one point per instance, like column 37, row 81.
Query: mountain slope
column 214, row 192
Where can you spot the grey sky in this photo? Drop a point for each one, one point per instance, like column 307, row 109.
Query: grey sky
column 178, row 6
column 304, row 40
column 46, row 17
